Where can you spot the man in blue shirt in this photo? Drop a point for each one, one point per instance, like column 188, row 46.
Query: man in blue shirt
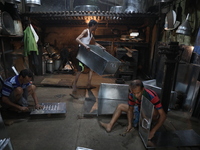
column 15, row 91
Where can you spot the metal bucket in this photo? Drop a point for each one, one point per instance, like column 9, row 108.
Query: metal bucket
column 57, row 64
column 18, row 27
column 44, row 66
column 50, row 66
column 33, row 3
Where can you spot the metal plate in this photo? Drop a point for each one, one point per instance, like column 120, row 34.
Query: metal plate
column 98, row 60
column 83, row 148
column 50, row 108
column 178, row 138
column 110, row 95
column 146, row 113
column 3, row 132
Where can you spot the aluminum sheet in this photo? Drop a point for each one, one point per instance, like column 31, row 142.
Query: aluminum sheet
column 98, row 60
column 3, row 132
column 186, row 83
column 50, row 108
column 110, row 95
column 146, row 113
column 83, row 148
column 177, row 138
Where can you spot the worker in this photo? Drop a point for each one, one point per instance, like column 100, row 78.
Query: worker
column 15, row 91
column 137, row 90
column 84, row 39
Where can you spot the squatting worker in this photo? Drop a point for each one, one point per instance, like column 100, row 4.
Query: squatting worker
column 84, row 39
column 16, row 90
column 136, row 91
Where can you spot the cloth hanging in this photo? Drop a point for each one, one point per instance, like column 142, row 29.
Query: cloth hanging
column 29, row 42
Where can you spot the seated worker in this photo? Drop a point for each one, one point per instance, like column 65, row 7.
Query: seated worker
column 16, row 90
column 136, row 91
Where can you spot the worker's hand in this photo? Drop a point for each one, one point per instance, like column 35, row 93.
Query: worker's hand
column 24, row 109
column 38, row 106
column 151, row 135
column 103, row 48
column 87, row 47
column 129, row 128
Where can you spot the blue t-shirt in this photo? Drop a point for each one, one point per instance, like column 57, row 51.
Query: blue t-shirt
column 10, row 84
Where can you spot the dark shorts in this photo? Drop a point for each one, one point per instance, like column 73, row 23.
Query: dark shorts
column 22, row 102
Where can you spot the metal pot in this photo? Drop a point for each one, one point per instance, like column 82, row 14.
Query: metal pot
column 57, row 64
column 33, row 3
column 18, row 27
column 116, row 9
column 50, row 66
column 7, row 24
column 86, row 8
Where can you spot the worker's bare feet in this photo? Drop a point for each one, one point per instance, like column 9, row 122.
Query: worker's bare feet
column 106, row 126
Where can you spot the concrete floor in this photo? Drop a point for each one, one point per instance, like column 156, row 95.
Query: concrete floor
column 72, row 130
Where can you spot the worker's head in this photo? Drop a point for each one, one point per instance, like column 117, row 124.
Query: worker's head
column 137, row 88
column 25, row 76
column 92, row 24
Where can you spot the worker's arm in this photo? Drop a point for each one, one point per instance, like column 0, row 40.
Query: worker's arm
column 13, row 105
column 162, row 117
column 130, row 117
column 78, row 39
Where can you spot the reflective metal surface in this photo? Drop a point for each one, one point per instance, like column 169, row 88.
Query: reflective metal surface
column 151, row 84
column 185, row 28
column 5, row 143
column 83, row 148
column 7, row 24
column 86, row 8
column 146, row 113
column 33, row 3
column 50, row 108
column 116, row 9
column 186, row 83
column 3, row 131
column 110, row 95
column 177, row 138
column 98, row 60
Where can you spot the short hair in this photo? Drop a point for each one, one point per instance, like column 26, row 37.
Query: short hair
column 136, row 83
column 26, row 72
column 92, row 22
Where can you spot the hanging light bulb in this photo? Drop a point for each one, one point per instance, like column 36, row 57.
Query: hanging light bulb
column 185, row 27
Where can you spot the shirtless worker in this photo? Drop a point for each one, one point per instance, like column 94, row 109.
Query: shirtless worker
column 84, row 39
column 136, row 91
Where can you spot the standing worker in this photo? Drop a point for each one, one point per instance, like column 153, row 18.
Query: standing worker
column 84, row 39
